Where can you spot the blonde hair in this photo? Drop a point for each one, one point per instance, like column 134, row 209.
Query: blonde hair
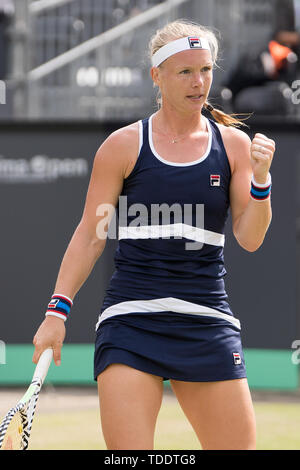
column 183, row 28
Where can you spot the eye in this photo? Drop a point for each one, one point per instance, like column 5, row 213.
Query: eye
column 185, row 71
column 208, row 68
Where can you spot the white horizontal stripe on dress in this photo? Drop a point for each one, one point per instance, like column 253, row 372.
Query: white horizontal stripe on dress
column 173, row 230
column 164, row 304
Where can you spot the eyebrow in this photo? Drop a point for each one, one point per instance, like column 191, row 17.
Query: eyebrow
column 191, row 66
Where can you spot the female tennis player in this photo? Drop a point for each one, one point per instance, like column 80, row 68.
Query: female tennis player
column 166, row 314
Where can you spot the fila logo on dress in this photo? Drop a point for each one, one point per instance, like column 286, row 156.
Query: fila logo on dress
column 237, row 358
column 215, row 180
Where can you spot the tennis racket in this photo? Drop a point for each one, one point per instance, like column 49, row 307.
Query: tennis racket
column 16, row 426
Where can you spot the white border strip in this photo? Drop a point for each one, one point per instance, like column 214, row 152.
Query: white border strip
column 55, row 314
column 164, row 304
column 173, row 230
column 63, row 296
column 264, row 185
column 141, row 135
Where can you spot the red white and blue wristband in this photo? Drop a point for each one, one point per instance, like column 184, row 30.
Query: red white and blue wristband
column 261, row 192
column 59, row 306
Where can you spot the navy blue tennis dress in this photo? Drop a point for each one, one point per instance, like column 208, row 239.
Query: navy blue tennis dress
column 166, row 311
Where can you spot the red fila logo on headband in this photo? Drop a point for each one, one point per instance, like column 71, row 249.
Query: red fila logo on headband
column 195, row 43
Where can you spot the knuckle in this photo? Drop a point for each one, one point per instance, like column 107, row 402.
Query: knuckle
column 37, row 343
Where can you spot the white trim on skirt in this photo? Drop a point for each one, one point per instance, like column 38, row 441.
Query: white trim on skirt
column 162, row 305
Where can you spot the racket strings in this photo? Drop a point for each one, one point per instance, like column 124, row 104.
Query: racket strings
column 16, row 426
column 13, row 436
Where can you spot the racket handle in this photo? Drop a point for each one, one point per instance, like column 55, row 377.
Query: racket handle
column 43, row 365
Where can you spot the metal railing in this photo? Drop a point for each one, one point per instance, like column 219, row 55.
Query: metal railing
column 106, row 76
column 87, row 59
column 60, row 25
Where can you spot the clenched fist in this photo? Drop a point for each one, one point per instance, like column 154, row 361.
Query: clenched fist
column 262, row 152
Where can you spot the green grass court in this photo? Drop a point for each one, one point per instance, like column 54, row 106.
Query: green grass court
column 73, row 427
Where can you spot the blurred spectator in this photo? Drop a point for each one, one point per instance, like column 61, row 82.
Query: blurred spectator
column 7, row 10
column 286, row 32
column 278, row 62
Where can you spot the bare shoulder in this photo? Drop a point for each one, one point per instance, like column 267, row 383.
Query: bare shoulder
column 121, row 147
column 237, row 144
column 125, row 135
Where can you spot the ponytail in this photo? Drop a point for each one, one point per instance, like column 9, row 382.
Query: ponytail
column 228, row 120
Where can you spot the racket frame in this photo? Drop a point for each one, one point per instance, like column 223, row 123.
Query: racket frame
column 30, row 397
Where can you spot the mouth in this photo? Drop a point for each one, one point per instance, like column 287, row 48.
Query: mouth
column 195, row 97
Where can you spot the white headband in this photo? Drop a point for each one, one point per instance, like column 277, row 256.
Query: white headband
column 179, row 45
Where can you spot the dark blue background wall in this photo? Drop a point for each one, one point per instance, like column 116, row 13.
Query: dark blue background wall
column 39, row 212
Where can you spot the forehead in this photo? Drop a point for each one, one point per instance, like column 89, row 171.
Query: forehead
column 190, row 57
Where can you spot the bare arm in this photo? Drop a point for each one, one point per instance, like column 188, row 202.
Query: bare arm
column 109, row 170
column 85, row 246
column 250, row 218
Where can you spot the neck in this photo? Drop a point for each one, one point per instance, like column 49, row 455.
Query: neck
column 178, row 124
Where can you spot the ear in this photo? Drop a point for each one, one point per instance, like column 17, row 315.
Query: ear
column 154, row 73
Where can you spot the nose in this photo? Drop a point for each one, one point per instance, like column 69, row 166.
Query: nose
column 197, row 79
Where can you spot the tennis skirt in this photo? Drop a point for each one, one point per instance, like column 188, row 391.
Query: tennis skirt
column 172, row 346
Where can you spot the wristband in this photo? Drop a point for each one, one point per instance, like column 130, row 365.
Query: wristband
column 261, row 192
column 59, row 306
